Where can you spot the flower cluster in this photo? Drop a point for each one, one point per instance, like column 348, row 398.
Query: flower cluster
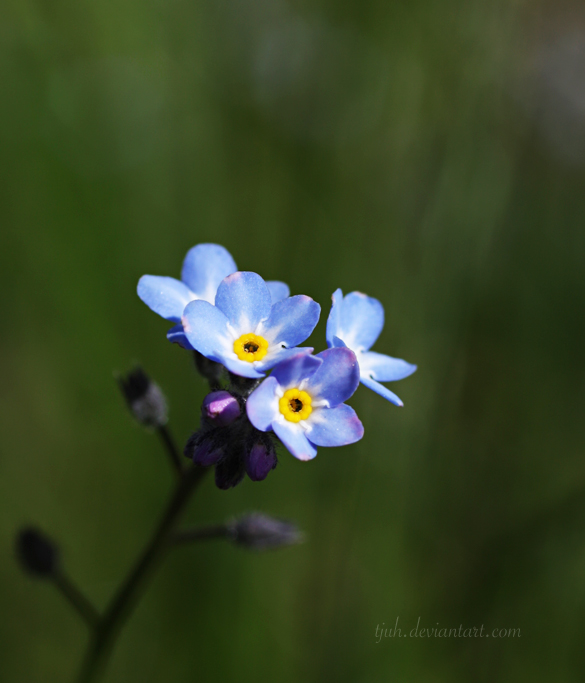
column 234, row 321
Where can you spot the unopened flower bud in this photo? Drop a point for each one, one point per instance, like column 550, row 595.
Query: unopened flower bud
column 220, row 408
column 207, row 453
column 230, row 471
column 205, row 448
column 257, row 531
column 260, row 460
column 144, row 398
column 37, row 554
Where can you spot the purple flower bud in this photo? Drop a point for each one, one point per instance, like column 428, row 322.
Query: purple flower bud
column 260, row 460
column 220, row 408
column 229, row 472
column 207, row 452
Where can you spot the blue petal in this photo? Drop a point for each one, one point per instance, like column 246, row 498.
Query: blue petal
column 382, row 390
column 384, row 368
column 242, row 367
column 204, row 267
column 337, row 426
column 262, row 406
column 291, row 321
column 278, row 290
column 176, row 335
column 277, row 355
column 338, row 342
column 206, row 328
column 294, row 439
column 164, row 295
column 334, row 319
column 361, row 321
column 292, row 371
column 245, row 301
column 338, row 377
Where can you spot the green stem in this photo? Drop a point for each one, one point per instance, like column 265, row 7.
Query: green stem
column 76, row 598
column 171, row 449
column 125, row 599
column 200, row 534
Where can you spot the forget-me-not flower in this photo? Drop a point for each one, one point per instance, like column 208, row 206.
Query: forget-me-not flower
column 244, row 330
column 204, row 267
column 355, row 321
column 303, row 402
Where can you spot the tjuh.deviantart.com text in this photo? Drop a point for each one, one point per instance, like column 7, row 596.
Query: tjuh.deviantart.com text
column 437, row 631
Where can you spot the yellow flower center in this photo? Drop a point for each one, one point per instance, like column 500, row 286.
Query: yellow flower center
column 295, row 405
column 250, row 347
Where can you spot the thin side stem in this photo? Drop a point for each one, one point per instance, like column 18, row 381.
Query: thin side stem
column 77, row 599
column 171, row 449
column 126, row 597
column 201, row 534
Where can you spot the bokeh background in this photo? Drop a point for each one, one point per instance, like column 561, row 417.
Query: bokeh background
column 429, row 153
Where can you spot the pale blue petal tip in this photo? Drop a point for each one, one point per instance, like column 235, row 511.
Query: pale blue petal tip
column 382, row 391
column 164, row 295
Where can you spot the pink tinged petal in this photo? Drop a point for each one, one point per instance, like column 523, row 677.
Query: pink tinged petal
column 293, row 437
column 337, row 426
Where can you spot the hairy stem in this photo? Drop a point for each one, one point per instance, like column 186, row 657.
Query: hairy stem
column 171, row 449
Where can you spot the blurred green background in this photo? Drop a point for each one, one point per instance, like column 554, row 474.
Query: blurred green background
column 430, row 154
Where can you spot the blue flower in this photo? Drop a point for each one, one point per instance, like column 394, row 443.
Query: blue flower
column 302, row 402
column 204, row 267
column 245, row 330
column 355, row 321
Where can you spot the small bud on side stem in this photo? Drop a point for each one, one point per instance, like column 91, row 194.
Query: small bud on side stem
column 257, row 531
column 36, row 553
column 148, row 405
column 40, row 557
column 144, row 398
column 254, row 531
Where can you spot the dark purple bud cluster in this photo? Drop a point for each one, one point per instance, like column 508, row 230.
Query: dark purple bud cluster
column 229, row 441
